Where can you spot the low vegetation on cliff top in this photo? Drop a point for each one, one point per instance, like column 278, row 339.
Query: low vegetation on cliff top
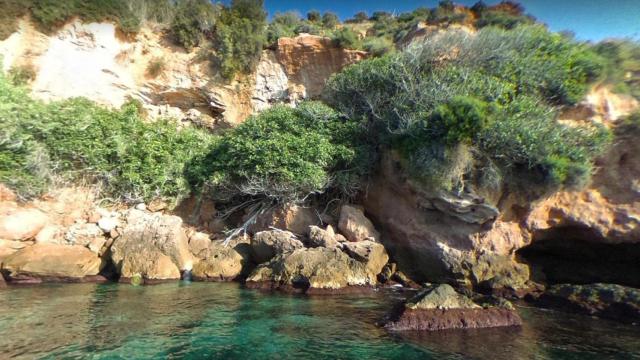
column 462, row 112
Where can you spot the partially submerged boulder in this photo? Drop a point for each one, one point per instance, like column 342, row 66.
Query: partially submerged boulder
column 313, row 269
column 153, row 246
column 221, row 263
column 355, row 226
column 53, row 262
column 608, row 301
column 267, row 244
column 441, row 308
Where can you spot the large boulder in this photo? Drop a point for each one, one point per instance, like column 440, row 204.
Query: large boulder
column 22, row 224
column 153, row 246
column 221, row 263
column 609, row 301
column 53, row 261
column 312, row 269
column 372, row 254
column 443, row 237
column 8, row 247
column 319, row 237
column 441, row 307
column 267, row 244
column 290, row 217
column 355, row 226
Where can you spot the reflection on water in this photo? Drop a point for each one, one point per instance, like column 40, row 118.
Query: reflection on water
column 210, row 320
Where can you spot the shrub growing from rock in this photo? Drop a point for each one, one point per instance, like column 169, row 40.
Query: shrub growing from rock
column 486, row 107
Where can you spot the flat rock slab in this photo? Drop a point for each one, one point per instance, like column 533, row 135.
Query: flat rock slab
column 444, row 319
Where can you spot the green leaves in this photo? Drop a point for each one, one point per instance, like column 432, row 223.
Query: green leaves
column 76, row 139
column 284, row 153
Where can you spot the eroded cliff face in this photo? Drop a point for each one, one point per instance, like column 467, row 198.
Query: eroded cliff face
column 581, row 236
column 92, row 61
column 298, row 69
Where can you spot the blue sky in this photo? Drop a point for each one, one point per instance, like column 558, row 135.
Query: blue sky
column 588, row 19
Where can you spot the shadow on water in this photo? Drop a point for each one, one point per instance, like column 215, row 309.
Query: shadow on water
column 210, row 320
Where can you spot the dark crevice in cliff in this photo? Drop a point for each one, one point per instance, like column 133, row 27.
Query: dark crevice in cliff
column 575, row 255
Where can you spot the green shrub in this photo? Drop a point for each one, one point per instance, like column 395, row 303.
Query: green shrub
column 49, row 15
column 192, row 19
column 314, row 16
column 621, row 60
column 346, row 39
column 495, row 98
column 378, row 46
column 76, row 139
column 239, row 37
column 330, row 20
column 285, row 154
column 283, row 25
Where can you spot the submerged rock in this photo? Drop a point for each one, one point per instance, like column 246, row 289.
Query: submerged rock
column 441, row 308
column 53, row 262
column 221, row 263
column 608, row 301
column 267, row 244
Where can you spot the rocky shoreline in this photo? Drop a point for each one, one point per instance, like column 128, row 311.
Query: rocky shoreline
column 287, row 249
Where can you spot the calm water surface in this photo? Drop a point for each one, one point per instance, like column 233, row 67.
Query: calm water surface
column 211, row 320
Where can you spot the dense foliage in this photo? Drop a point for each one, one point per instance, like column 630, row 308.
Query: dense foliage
column 239, row 37
column 77, row 140
column 483, row 108
column 622, row 65
column 286, row 154
column 192, row 19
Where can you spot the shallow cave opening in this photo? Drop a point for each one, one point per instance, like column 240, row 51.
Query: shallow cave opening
column 577, row 256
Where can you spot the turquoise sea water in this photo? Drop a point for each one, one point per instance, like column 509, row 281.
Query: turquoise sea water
column 225, row 321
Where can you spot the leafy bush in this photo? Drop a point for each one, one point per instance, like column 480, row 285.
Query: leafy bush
column 314, row 16
column 76, row 139
column 283, row 25
column 506, row 15
column 488, row 105
column 51, row 14
column 192, row 19
column 285, row 154
column 346, row 39
column 330, row 20
column 378, row 46
column 239, row 37
column 621, row 60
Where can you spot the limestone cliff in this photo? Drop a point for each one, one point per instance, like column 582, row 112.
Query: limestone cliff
column 574, row 236
column 92, row 61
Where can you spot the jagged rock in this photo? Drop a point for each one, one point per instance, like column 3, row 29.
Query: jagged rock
column 313, row 268
column 441, row 308
column 309, row 60
column 3, row 284
column 441, row 297
column 152, row 245
column 83, row 234
column 355, row 226
column 466, row 207
column 221, row 263
column 609, row 301
column 289, row 217
column 157, row 205
column 22, row 224
column 53, row 261
column 372, row 254
column 319, row 237
column 272, row 84
column 267, row 244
